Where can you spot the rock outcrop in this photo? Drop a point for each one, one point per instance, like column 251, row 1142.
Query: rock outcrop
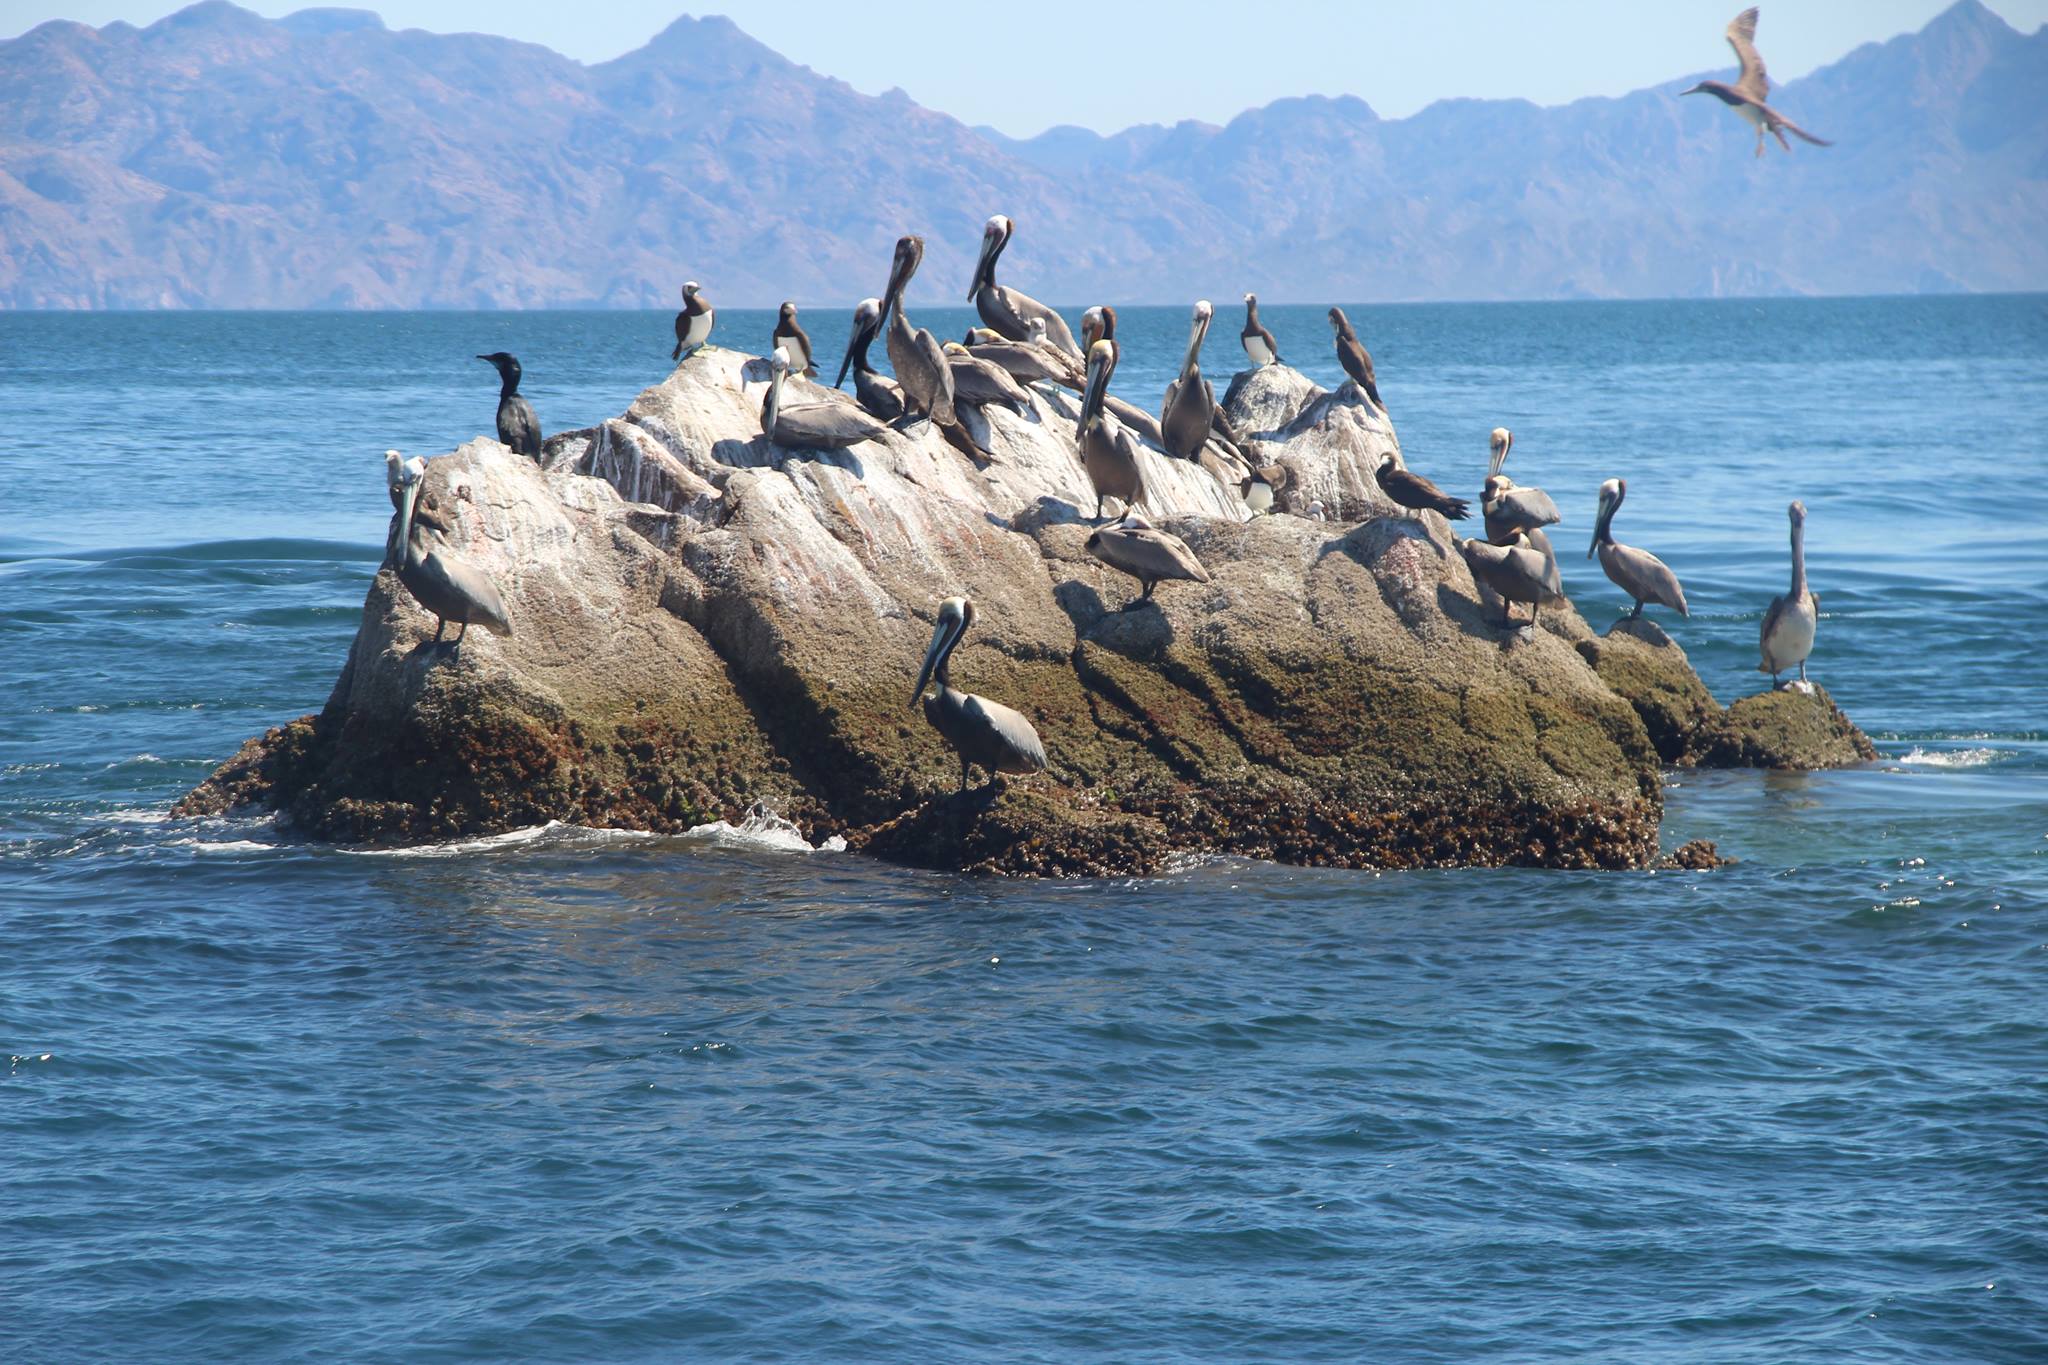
column 704, row 622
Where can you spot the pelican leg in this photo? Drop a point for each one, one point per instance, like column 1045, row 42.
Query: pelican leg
column 963, row 778
column 460, row 633
column 1098, row 507
column 1802, row 670
column 1638, row 611
column 1146, row 596
column 1535, row 609
column 440, row 624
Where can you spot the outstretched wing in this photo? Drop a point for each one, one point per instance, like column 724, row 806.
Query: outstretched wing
column 1742, row 37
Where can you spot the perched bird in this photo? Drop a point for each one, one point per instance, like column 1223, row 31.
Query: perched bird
column 792, row 338
column 916, row 357
column 1787, row 635
column 1355, row 359
column 1006, row 310
column 1638, row 573
column 440, row 580
column 1190, row 407
column 984, row 733
column 811, row 426
column 1418, row 494
column 1752, row 87
column 1517, row 572
column 1261, row 489
column 693, row 324
column 1108, row 452
column 518, row 428
column 982, row 382
column 876, row 393
column 1507, row 508
column 1259, row 346
column 1028, row 362
column 1134, row 546
column 1099, row 324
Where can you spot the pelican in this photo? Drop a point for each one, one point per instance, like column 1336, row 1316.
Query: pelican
column 1028, row 362
column 879, row 395
column 1134, row 546
column 1787, row 635
column 1638, row 573
column 439, row 579
column 1190, row 407
column 811, row 426
column 693, row 324
column 1418, row 494
column 791, row 337
column 1752, row 87
column 918, row 360
column 1259, row 345
column 518, row 428
column 981, row 382
column 1518, row 572
column 1099, row 324
column 1108, row 452
column 1261, row 489
column 1509, row 509
column 1004, row 309
column 1355, row 359
column 981, row 731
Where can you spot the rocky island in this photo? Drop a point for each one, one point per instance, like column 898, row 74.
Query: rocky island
column 705, row 623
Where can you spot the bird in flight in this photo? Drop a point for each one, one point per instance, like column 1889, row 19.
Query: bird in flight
column 1752, row 87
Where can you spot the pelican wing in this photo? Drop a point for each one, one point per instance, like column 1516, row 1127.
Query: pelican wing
column 978, row 381
column 1140, row 422
column 1025, row 363
column 456, row 590
column 1010, row 313
column 1146, row 552
column 1516, row 572
column 1642, row 576
column 824, row 426
column 1007, row 732
column 1524, row 509
column 932, row 357
column 1752, row 83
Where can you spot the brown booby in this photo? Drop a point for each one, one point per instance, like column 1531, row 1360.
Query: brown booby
column 1133, row 545
column 1418, row 494
column 811, row 426
column 1108, row 451
column 693, row 324
column 1517, row 572
column 792, row 338
column 1261, row 489
column 1787, row 635
column 1355, row 359
column 518, row 427
column 1752, row 87
column 440, row 580
column 984, row 733
column 1638, row 573
column 1508, row 508
column 1259, row 346
column 876, row 393
column 1004, row 309
column 1189, row 411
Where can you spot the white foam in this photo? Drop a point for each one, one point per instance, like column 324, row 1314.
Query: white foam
column 1952, row 758
column 763, row 829
column 555, row 831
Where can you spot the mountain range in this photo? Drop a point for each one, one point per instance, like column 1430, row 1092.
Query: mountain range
column 217, row 159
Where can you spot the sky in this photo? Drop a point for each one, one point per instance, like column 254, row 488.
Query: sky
column 1118, row 62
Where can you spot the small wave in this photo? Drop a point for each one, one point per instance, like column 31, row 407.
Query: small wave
column 554, row 831
column 762, row 828
column 221, row 845
column 1952, row 758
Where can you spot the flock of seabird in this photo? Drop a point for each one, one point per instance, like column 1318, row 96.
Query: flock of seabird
column 1023, row 342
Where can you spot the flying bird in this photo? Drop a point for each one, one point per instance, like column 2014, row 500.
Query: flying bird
column 1752, row 87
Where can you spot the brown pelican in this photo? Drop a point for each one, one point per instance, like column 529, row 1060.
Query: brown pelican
column 1134, row 546
column 1004, row 309
column 1190, row 406
column 1259, row 345
column 693, row 324
column 792, row 338
column 1355, row 359
column 876, row 393
column 1261, row 489
column 1638, row 573
column 518, row 428
column 1108, row 452
column 981, row 731
column 1418, row 494
column 982, row 382
column 1028, row 362
column 1509, row 509
column 1099, row 324
column 1787, row 635
column 918, row 360
column 1518, row 572
column 1752, row 87
column 438, row 579
column 811, row 426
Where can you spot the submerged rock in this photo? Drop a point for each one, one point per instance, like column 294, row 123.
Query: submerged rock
column 1788, row 728
column 704, row 623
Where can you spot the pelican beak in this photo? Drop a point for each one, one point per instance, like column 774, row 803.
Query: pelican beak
column 408, row 498
column 932, row 654
column 985, row 264
column 1500, row 455
column 853, row 343
column 1099, row 367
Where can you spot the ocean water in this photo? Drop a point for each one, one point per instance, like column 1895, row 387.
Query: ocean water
column 567, row 1095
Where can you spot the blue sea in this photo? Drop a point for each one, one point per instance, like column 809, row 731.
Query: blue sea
column 568, row 1095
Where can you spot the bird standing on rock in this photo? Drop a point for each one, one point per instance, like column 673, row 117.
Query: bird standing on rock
column 984, row 733
column 1517, row 572
column 693, row 324
column 877, row 394
column 1259, row 346
column 1135, row 546
column 440, row 580
column 811, row 426
column 792, row 338
column 1787, row 635
column 1109, row 453
column 1355, row 359
column 518, row 427
column 1418, row 494
column 1004, row 309
column 1752, row 87
column 1638, row 573
column 1509, row 509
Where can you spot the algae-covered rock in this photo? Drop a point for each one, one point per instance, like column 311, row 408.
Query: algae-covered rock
column 1643, row 664
column 1787, row 728
column 703, row 621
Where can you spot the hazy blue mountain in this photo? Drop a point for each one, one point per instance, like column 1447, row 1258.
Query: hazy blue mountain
column 218, row 159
